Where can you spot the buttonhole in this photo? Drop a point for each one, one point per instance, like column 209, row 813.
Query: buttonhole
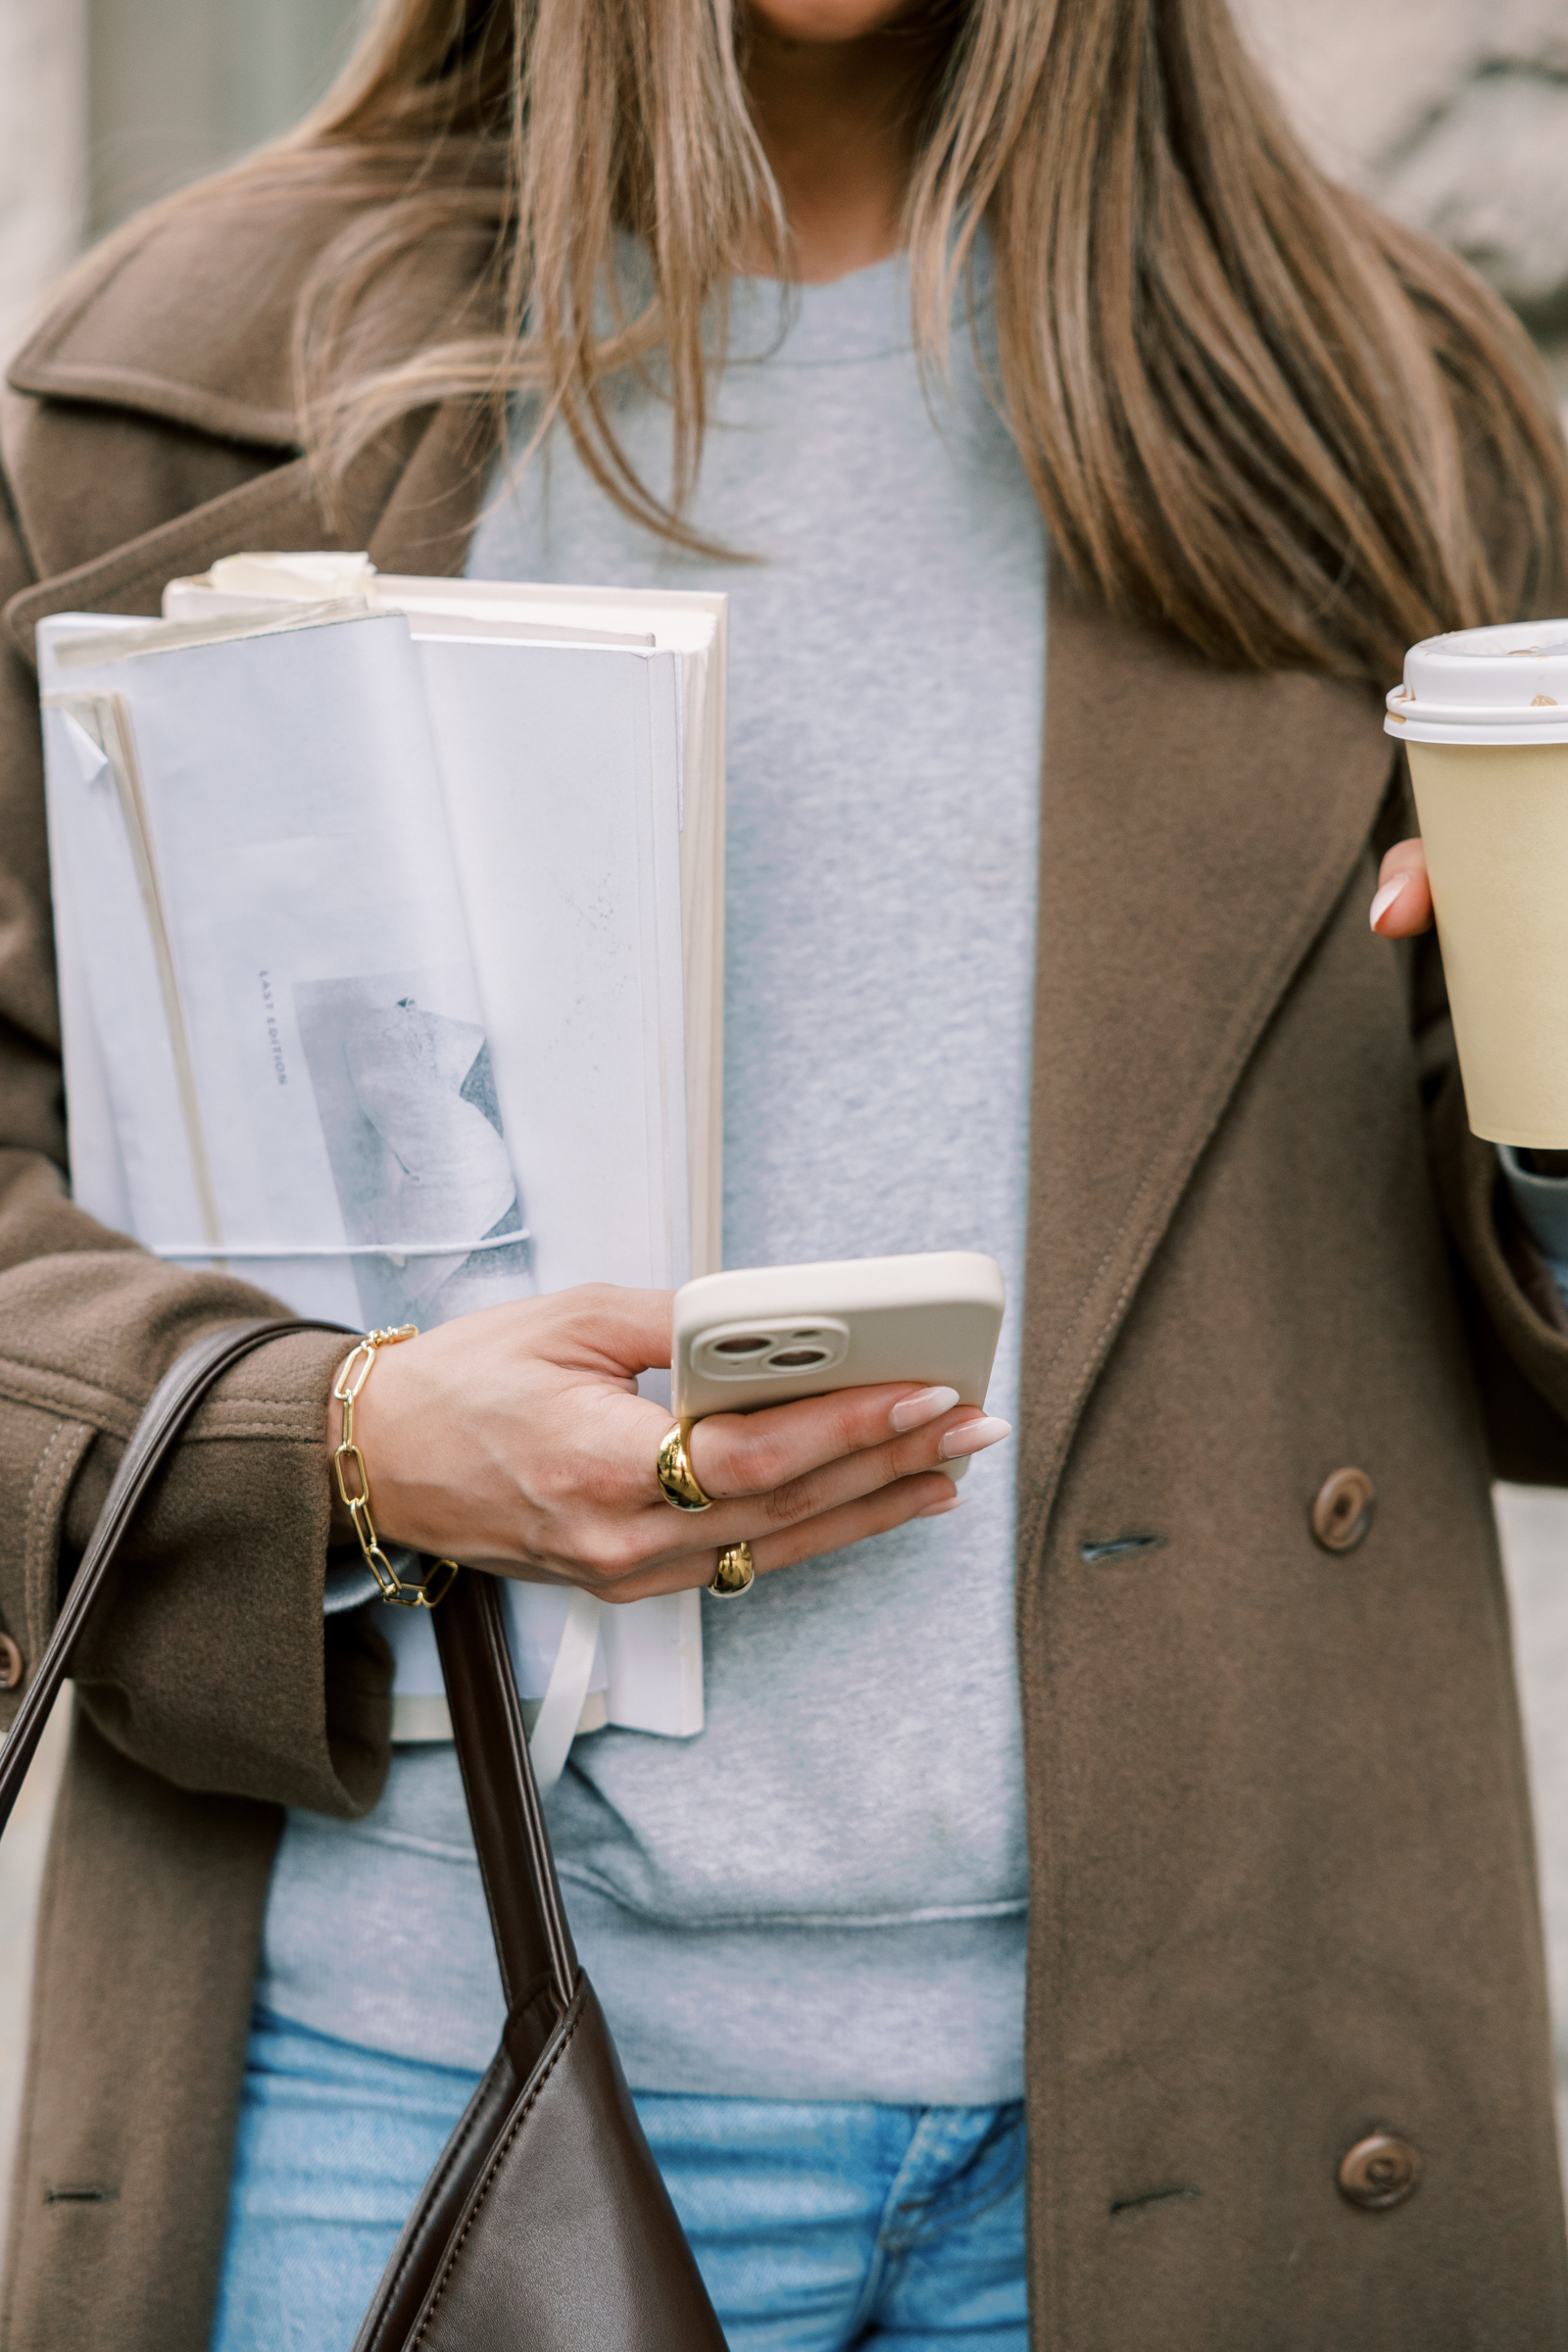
column 79, row 2196
column 1119, row 1548
column 1155, row 2197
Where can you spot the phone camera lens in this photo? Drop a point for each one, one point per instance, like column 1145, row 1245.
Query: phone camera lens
column 797, row 1359
column 739, row 1346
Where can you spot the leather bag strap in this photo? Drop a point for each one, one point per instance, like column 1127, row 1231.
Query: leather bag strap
column 154, row 1438
column 515, row 1863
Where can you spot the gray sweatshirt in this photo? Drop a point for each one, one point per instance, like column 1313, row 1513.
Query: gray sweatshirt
column 822, row 1897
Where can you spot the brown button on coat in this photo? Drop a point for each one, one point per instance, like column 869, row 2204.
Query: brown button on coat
column 1284, row 1898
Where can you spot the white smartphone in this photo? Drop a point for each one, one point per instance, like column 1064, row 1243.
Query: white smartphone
column 762, row 1335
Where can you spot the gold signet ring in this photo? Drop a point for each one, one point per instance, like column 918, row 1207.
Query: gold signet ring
column 735, row 1572
column 677, row 1480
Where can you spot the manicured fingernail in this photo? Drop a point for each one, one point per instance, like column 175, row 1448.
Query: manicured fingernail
column 913, row 1412
column 934, row 1511
column 1386, row 898
column 973, row 1437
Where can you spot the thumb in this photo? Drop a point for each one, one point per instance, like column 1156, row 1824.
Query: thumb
column 1403, row 906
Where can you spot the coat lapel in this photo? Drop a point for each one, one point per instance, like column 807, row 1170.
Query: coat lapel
column 279, row 509
column 413, row 505
column 1198, row 827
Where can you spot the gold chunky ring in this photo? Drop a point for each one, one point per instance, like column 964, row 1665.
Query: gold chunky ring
column 735, row 1572
column 677, row 1480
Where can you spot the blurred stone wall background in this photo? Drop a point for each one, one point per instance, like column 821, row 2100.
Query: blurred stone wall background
column 104, row 104
column 43, row 148
column 1453, row 114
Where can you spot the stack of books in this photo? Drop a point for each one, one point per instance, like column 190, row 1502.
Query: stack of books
column 390, row 926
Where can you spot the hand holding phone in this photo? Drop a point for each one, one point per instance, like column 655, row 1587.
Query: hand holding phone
column 514, row 1438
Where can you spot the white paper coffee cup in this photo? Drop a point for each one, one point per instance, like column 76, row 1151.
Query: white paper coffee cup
column 1484, row 713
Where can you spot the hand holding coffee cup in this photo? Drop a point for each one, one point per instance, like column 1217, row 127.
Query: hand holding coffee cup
column 1484, row 713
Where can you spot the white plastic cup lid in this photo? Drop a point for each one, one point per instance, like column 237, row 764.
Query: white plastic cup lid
column 1500, row 685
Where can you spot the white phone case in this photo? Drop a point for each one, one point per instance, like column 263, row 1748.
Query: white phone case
column 764, row 1335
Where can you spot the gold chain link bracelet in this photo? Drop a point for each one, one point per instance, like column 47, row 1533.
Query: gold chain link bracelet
column 350, row 1380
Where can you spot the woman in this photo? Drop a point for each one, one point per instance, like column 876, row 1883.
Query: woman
column 1202, row 1843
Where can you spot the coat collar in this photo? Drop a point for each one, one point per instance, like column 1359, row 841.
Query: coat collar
column 186, row 316
column 189, row 313
column 412, row 506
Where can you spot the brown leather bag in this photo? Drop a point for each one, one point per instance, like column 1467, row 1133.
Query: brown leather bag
column 545, row 2226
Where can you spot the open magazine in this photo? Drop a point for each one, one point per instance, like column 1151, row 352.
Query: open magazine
column 390, row 936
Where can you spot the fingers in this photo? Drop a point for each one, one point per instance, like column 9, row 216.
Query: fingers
column 833, row 1530
column 624, row 1554
column 831, row 1486
column 758, row 1453
column 1403, row 906
column 852, row 1522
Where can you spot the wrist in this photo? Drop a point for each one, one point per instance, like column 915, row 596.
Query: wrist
column 351, row 1477
column 363, row 1484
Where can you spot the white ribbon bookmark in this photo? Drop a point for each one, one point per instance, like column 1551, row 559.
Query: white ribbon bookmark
column 557, row 1721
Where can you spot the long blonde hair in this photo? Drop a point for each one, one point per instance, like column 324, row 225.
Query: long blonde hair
column 1248, row 404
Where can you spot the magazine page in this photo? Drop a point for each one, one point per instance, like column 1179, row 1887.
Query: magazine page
column 330, row 1123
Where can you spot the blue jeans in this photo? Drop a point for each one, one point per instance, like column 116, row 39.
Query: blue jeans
column 817, row 2228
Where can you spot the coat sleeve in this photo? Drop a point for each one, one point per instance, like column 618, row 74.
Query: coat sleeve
column 215, row 1667
column 1518, row 1327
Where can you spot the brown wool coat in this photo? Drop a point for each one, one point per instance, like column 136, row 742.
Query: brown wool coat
column 1279, row 1834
